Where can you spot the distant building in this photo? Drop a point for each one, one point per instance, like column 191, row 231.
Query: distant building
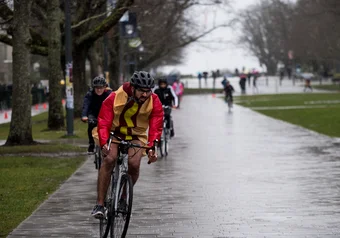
column 5, row 64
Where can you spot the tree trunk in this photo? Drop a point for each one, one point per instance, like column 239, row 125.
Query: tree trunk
column 79, row 80
column 55, row 110
column 21, row 126
column 271, row 67
column 94, row 61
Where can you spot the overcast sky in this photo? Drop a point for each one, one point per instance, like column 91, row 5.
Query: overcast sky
column 228, row 56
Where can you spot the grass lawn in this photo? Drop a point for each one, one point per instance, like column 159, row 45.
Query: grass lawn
column 41, row 148
column 40, row 132
column 25, row 182
column 330, row 87
column 190, row 91
column 324, row 120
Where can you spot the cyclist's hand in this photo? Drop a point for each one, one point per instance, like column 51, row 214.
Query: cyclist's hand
column 105, row 150
column 84, row 119
column 152, row 156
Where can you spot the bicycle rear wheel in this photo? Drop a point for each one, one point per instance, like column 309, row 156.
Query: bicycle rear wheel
column 164, row 143
column 122, row 213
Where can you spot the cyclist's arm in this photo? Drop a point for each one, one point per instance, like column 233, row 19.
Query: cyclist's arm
column 175, row 98
column 105, row 119
column 86, row 104
column 155, row 121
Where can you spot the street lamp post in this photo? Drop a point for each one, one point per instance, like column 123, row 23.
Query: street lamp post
column 68, row 69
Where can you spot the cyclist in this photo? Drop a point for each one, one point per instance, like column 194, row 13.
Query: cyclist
column 228, row 90
column 169, row 98
column 91, row 106
column 128, row 112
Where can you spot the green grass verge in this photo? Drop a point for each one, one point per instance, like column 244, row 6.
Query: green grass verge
column 40, row 131
column 323, row 120
column 25, row 182
column 286, row 99
column 41, row 148
column 191, row 91
column 329, row 87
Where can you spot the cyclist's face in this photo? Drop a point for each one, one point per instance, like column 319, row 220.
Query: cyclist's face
column 99, row 90
column 142, row 94
column 162, row 85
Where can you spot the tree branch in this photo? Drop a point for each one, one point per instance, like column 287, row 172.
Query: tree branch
column 39, row 50
column 6, row 39
column 162, row 52
column 88, row 19
column 5, row 12
column 100, row 30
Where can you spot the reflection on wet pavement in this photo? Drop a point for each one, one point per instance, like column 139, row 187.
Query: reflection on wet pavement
column 238, row 174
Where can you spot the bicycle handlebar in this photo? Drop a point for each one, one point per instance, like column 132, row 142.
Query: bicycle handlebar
column 129, row 144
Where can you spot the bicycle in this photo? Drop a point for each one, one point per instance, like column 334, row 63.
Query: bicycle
column 118, row 202
column 97, row 151
column 229, row 102
column 165, row 133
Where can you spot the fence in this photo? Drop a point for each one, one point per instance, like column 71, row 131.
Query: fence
column 38, row 95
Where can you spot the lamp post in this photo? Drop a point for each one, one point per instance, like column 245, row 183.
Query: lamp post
column 127, row 30
column 68, row 69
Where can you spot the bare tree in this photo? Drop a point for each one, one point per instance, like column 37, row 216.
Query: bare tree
column 315, row 37
column 266, row 32
column 86, row 29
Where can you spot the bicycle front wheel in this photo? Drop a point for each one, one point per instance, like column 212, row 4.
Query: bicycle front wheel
column 105, row 224
column 97, row 157
column 122, row 213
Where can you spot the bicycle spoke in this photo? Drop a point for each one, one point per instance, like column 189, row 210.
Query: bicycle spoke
column 123, row 211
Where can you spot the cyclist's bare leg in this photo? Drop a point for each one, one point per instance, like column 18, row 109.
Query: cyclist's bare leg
column 135, row 156
column 105, row 173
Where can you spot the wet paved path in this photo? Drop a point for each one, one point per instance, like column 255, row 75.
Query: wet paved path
column 237, row 174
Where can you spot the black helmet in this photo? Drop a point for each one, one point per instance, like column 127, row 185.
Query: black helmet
column 98, row 82
column 142, row 79
column 162, row 80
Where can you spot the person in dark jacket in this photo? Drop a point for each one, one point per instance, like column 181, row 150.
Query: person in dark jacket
column 168, row 97
column 92, row 103
column 228, row 90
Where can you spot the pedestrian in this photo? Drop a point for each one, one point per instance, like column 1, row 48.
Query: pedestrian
column 205, row 76
column 255, row 77
column 178, row 87
column 242, row 82
column 224, row 81
column 199, row 76
column 308, row 85
column 214, row 76
column 249, row 77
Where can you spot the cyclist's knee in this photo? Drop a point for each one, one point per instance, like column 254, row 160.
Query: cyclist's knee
column 134, row 165
column 110, row 159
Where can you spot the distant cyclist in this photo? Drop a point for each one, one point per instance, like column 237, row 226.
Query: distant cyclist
column 168, row 97
column 92, row 103
column 228, row 90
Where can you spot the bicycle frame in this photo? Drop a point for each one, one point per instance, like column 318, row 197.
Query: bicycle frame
column 122, row 163
column 120, row 169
